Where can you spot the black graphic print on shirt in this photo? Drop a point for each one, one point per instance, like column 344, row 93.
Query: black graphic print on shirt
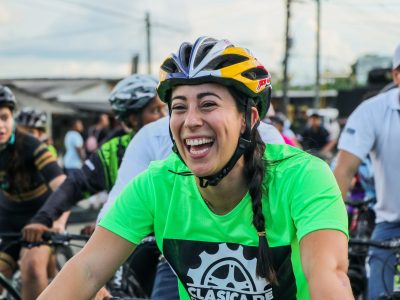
column 223, row 271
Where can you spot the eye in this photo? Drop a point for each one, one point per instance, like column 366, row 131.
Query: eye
column 208, row 104
column 177, row 107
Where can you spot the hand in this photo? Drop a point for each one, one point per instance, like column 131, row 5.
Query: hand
column 88, row 229
column 102, row 294
column 58, row 226
column 33, row 232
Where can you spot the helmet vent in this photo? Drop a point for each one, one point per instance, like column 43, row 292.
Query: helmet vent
column 225, row 61
column 256, row 73
column 169, row 66
column 202, row 52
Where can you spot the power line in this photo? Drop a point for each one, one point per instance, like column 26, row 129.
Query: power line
column 102, row 10
column 8, row 42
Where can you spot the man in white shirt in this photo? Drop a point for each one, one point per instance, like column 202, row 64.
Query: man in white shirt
column 374, row 128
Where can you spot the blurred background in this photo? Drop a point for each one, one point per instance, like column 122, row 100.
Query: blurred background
column 65, row 56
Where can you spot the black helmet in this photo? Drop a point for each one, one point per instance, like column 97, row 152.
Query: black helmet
column 132, row 94
column 7, row 97
column 31, row 118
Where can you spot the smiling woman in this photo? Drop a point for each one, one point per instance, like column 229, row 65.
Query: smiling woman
column 235, row 218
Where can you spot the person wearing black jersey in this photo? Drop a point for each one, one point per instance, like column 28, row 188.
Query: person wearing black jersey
column 135, row 102
column 28, row 175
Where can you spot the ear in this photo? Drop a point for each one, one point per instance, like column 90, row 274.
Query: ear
column 396, row 76
column 254, row 118
column 133, row 120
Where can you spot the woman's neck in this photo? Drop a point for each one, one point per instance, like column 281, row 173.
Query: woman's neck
column 224, row 197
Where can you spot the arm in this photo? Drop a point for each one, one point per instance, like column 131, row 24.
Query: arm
column 56, row 182
column 324, row 261
column 346, row 166
column 83, row 275
column 89, row 179
column 328, row 148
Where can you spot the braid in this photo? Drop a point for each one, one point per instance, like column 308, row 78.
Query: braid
column 255, row 171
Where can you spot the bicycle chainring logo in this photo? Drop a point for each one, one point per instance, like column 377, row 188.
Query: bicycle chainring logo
column 226, row 275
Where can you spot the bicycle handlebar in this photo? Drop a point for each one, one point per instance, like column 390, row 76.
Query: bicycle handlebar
column 358, row 203
column 393, row 244
column 49, row 238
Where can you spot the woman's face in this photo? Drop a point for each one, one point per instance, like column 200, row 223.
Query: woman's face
column 6, row 124
column 206, row 126
column 154, row 111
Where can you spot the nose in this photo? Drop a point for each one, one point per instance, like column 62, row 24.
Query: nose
column 193, row 117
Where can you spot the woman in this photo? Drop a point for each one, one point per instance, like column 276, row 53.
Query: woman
column 28, row 174
column 235, row 219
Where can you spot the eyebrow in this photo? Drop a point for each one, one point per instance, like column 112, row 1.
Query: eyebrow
column 199, row 96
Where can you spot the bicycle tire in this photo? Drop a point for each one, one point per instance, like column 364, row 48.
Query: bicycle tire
column 63, row 254
column 12, row 294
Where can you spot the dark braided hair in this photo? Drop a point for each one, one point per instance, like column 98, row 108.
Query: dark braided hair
column 254, row 172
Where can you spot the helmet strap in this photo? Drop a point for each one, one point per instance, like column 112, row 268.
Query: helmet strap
column 243, row 143
column 11, row 140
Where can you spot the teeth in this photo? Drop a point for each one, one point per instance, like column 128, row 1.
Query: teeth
column 199, row 151
column 196, row 142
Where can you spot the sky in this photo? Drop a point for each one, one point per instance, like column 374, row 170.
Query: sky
column 90, row 38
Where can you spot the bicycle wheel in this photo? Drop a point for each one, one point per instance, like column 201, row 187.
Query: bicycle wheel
column 11, row 293
column 63, row 254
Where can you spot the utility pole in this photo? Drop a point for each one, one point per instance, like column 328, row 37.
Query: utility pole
column 285, row 84
column 317, row 64
column 148, row 25
column 135, row 64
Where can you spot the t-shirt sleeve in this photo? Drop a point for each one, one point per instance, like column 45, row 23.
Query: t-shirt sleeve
column 45, row 162
column 132, row 214
column 77, row 139
column 316, row 202
column 358, row 136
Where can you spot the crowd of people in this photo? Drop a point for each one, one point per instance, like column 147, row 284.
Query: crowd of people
column 240, row 200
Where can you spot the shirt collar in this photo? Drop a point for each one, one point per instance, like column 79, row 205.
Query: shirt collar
column 395, row 100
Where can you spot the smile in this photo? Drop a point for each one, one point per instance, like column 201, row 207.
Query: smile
column 198, row 146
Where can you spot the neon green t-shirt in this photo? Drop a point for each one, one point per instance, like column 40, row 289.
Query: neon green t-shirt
column 214, row 256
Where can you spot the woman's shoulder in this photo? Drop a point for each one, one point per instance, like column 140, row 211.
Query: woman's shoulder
column 282, row 152
column 28, row 141
column 168, row 167
column 285, row 157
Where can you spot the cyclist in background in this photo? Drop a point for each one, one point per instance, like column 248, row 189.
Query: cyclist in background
column 227, row 220
column 374, row 129
column 135, row 102
column 35, row 122
column 28, row 174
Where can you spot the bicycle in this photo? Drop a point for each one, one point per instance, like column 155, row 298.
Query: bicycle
column 61, row 242
column 361, row 225
column 134, row 279
column 392, row 244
